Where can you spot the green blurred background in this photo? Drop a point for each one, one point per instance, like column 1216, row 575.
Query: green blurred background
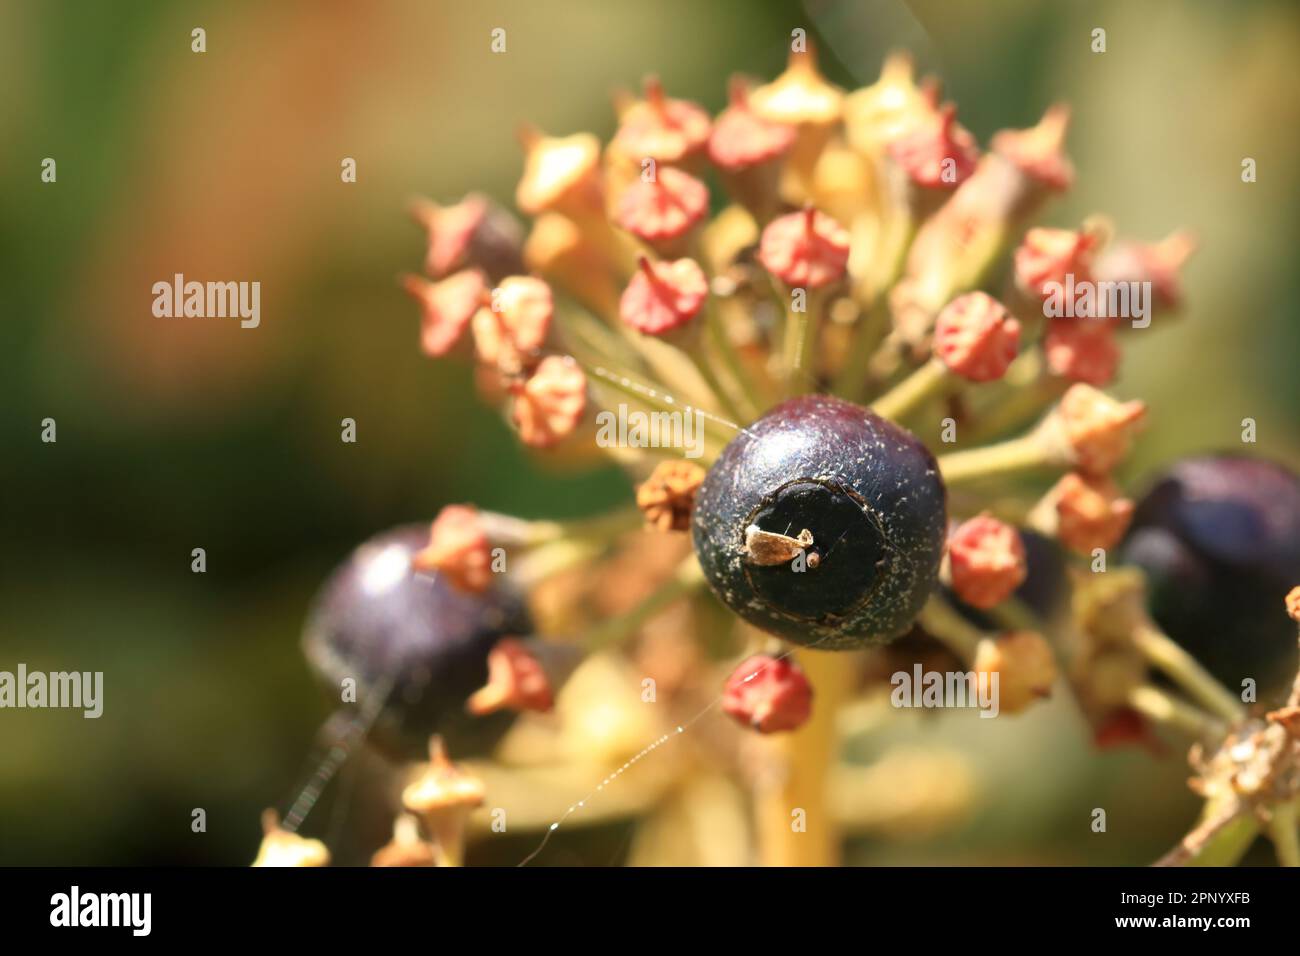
column 196, row 433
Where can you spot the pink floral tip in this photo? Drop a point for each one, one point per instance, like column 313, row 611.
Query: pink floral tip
column 1039, row 152
column 665, row 207
column 1097, row 429
column 768, row 694
column 662, row 129
column 551, row 402
column 975, row 337
column 446, row 308
column 516, row 681
column 514, row 323
column 1090, row 512
column 663, row 296
column 805, row 250
column 1082, row 350
column 1049, row 255
column 987, row 561
column 1159, row 263
column 458, row 549
column 741, row 138
column 939, row 153
column 451, row 230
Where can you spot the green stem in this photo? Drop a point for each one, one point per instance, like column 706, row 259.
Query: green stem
column 1166, row 709
column 1167, row 655
column 732, row 360
column 1284, row 829
column 1009, row 457
column 872, row 327
column 931, row 380
column 941, row 621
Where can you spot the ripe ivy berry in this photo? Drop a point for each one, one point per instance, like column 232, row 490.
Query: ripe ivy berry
column 376, row 619
column 823, row 523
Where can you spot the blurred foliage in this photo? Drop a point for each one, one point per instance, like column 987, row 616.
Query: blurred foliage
column 175, row 434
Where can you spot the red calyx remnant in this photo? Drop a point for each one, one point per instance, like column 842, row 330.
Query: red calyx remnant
column 741, row 138
column 938, row 153
column 473, row 232
column 1090, row 512
column 663, row 296
column 1049, row 255
column 805, row 249
column 1158, row 263
column 1038, row 152
column 660, row 128
column 1122, row 727
column 1097, row 428
column 665, row 207
column 975, row 337
column 458, row 549
column 551, row 402
column 987, row 561
column 514, row 324
column 446, row 308
column 516, row 681
column 1081, row 350
column 768, row 694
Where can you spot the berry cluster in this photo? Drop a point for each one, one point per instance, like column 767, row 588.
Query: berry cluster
column 845, row 294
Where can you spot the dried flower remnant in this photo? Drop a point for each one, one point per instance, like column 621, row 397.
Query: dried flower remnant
column 805, row 249
column 976, row 338
column 458, row 549
column 987, row 561
column 660, row 128
column 1025, row 666
column 667, row 496
column 446, row 308
column 474, row 232
column 561, row 174
column 1050, row 255
column 938, row 152
column 407, row 847
column 663, row 297
column 283, row 848
column 513, row 325
column 768, row 694
column 1089, row 512
column 551, row 402
column 1039, row 151
column 741, row 138
column 442, row 796
column 664, row 208
column 889, row 109
column 1096, row 428
column 1081, row 350
column 1159, row 263
column 516, row 681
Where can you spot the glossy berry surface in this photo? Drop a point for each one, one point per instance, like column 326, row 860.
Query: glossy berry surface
column 866, row 491
column 376, row 620
column 1219, row 539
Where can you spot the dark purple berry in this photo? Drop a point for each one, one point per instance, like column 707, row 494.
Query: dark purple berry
column 823, row 523
column 377, row 620
column 1219, row 539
